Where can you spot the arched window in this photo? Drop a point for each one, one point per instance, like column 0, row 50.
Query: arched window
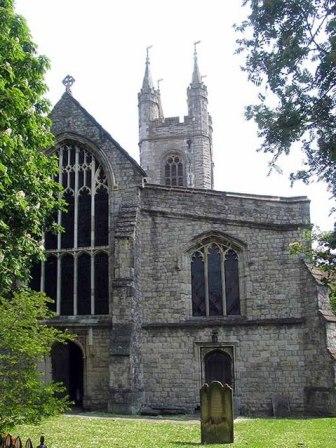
column 215, row 281
column 77, row 257
column 174, row 171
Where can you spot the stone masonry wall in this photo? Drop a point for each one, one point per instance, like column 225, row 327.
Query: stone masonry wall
column 172, row 219
column 109, row 364
column 96, row 368
column 267, row 361
column 172, row 136
column 149, row 349
column 273, row 344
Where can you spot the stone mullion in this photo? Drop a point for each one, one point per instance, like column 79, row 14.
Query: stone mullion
column 76, row 202
column 58, row 297
column 75, row 304
column 92, row 273
column 59, row 213
column 223, row 282
column 42, row 281
column 75, row 307
column 59, row 222
column 84, row 170
column 206, row 281
column 93, row 193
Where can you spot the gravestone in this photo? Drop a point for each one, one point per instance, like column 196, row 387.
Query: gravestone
column 18, row 443
column 8, row 441
column 42, row 445
column 216, row 413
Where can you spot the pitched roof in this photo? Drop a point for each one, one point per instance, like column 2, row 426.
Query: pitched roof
column 68, row 97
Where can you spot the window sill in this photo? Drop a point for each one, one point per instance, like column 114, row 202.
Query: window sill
column 216, row 318
column 81, row 321
column 236, row 321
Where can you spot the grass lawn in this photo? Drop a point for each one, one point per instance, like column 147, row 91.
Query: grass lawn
column 113, row 432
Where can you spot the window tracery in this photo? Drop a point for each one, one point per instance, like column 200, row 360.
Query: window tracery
column 75, row 272
column 215, row 280
column 174, row 171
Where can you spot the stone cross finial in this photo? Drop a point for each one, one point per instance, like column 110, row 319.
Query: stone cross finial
column 68, row 81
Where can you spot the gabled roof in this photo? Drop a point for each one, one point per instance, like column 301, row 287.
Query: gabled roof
column 66, row 98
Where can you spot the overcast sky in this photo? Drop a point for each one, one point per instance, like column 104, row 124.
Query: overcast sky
column 102, row 44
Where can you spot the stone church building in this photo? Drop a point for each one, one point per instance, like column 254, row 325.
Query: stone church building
column 168, row 283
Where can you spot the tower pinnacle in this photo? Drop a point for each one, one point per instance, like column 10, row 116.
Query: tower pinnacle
column 176, row 153
column 147, row 83
column 159, row 98
column 196, row 77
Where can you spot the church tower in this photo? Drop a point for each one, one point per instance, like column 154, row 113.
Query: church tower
column 175, row 153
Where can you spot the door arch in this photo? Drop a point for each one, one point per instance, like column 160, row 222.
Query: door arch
column 67, row 361
column 218, row 367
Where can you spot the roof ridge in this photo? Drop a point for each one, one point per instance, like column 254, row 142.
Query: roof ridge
column 104, row 131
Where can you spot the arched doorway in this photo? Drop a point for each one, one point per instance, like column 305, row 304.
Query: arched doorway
column 218, row 367
column 67, row 362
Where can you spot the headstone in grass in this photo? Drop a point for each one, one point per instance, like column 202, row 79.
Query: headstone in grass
column 216, row 413
column 17, row 443
column 281, row 407
column 42, row 444
column 8, row 441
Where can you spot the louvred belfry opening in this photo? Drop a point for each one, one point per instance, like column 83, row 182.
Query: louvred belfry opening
column 75, row 272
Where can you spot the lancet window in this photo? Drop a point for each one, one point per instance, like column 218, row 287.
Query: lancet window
column 215, row 280
column 174, row 171
column 75, row 272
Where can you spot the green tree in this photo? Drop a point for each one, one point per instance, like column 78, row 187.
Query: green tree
column 322, row 256
column 290, row 54
column 28, row 193
column 24, row 341
column 28, row 199
column 290, row 50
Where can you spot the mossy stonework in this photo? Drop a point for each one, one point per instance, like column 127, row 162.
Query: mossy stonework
column 193, row 271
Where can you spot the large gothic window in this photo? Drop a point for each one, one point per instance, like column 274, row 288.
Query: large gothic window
column 215, row 281
column 174, row 171
column 75, row 272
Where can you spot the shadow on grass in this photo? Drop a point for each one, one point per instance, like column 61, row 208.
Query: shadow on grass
column 186, row 443
column 192, row 418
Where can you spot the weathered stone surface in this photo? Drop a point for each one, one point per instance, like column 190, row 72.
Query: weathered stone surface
column 149, row 351
column 281, row 407
column 190, row 139
column 216, row 413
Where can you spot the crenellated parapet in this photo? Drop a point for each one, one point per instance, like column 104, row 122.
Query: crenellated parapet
column 189, row 139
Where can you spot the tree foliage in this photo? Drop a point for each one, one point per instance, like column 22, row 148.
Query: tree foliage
column 24, row 341
column 28, row 199
column 28, row 193
column 323, row 256
column 290, row 54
